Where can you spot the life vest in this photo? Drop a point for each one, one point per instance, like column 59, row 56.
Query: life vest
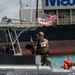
column 68, row 63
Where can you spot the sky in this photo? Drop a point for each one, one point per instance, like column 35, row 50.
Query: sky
column 10, row 8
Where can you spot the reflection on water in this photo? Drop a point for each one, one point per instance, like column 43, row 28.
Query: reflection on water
column 57, row 60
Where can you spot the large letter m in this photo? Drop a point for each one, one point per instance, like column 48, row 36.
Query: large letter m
column 52, row 2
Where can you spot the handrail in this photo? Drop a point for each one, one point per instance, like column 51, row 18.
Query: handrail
column 20, row 23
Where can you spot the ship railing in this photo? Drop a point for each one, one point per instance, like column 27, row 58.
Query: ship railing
column 19, row 23
column 73, row 19
column 64, row 21
column 73, row 22
column 60, row 22
column 33, row 70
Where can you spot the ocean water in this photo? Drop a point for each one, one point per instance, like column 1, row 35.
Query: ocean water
column 58, row 60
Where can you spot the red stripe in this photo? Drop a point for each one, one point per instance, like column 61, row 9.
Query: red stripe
column 52, row 17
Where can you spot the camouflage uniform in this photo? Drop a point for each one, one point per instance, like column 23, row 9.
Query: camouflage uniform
column 43, row 51
column 45, row 60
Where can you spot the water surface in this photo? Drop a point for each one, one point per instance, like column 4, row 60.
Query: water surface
column 57, row 60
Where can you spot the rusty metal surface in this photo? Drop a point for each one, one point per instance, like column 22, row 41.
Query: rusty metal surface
column 55, row 47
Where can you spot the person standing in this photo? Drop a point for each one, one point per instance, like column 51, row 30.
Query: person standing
column 41, row 47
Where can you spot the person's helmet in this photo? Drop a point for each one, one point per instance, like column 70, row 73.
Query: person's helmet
column 40, row 34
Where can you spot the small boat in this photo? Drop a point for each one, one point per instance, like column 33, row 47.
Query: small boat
column 20, row 63
column 34, row 70
column 28, row 65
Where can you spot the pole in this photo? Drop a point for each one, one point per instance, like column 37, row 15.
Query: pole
column 20, row 10
column 31, row 11
column 36, row 11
